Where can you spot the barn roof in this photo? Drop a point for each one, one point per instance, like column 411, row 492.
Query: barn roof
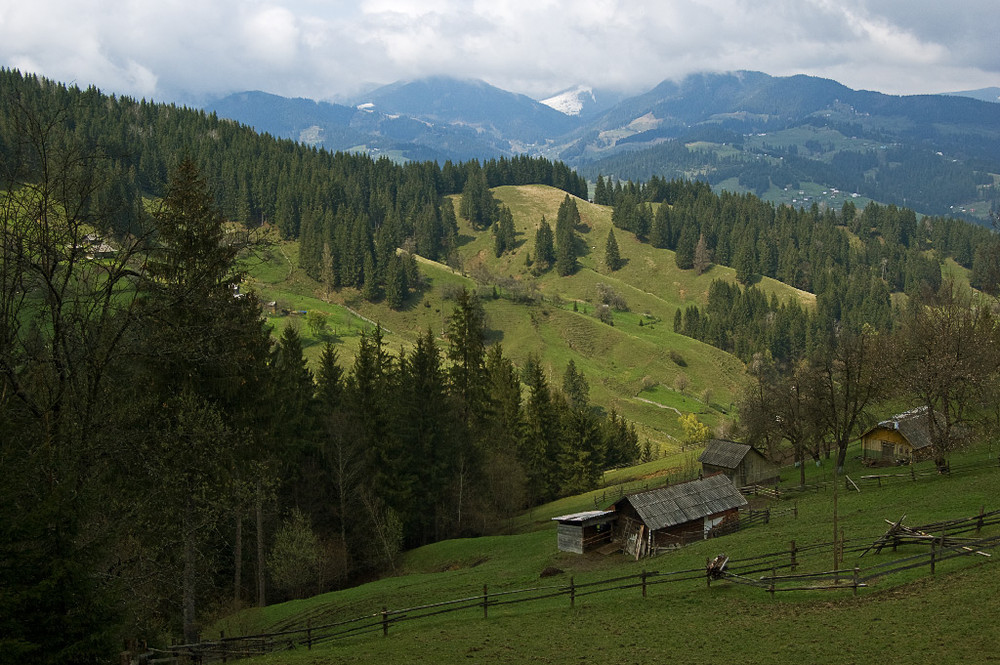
column 724, row 453
column 911, row 424
column 588, row 516
column 677, row 504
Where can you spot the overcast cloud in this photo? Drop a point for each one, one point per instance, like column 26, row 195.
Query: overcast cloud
column 186, row 50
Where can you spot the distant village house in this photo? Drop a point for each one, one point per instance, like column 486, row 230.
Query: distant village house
column 905, row 437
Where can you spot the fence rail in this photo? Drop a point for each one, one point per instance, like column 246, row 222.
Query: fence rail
column 738, row 571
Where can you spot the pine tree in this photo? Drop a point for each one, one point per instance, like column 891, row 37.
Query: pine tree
column 396, row 287
column 545, row 254
column 503, row 232
column 702, row 257
column 612, row 259
column 566, row 249
column 575, row 387
column 684, row 254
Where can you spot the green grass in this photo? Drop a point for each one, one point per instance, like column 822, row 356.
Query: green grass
column 618, row 361
column 945, row 618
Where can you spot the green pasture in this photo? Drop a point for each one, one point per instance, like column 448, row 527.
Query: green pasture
column 942, row 618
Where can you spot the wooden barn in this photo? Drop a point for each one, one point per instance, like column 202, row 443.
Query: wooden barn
column 903, row 438
column 742, row 463
column 582, row 532
column 677, row 514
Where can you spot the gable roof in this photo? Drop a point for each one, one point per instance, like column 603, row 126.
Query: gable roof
column 724, row 453
column 911, row 424
column 677, row 504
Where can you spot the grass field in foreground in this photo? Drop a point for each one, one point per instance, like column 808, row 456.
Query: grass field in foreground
column 946, row 618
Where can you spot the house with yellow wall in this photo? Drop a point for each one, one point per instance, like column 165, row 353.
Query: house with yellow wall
column 903, row 438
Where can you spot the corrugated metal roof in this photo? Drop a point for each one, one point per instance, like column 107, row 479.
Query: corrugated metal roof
column 677, row 504
column 912, row 424
column 724, row 453
column 584, row 516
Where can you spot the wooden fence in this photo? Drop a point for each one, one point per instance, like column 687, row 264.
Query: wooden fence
column 744, row 571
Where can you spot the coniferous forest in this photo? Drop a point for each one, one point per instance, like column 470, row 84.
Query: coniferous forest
column 168, row 457
column 162, row 455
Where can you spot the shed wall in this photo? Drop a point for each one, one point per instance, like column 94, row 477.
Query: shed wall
column 570, row 538
column 876, row 445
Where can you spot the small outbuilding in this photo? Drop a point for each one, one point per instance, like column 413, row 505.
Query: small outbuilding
column 676, row 514
column 740, row 462
column 582, row 532
column 903, row 438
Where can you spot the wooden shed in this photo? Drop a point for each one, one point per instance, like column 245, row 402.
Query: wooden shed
column 742, row 463
column 903, row 438
column 582, row 532
column 677, row 514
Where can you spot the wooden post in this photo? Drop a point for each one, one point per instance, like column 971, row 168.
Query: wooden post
column 933, row 548
column 486, row 602
column 771, row 587
column 225, row 654
column 385, row 621
column 309, row 635
column 979, row 523
column 708, row 572
column 855, row 580
column 913, row 474
column 794, row 552
column 643, row 583
column 572, row 593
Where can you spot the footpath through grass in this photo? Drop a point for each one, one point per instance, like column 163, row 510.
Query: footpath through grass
column 945, row 618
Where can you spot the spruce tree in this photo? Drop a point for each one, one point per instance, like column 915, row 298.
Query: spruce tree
column 545, row 254
column 566, row 249
column 612, row 259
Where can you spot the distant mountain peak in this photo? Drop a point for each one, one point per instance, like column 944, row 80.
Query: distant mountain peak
column 571, row 101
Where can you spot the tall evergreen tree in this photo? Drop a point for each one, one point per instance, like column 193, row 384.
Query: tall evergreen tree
column 545, row 254
column 566, row 241
column 612, row 259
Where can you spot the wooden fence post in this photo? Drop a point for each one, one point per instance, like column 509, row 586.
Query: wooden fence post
column 979, row 523
column 486, row 602
column 572, row 593
column 933, row 548
column 771, row 586
column 793, row 552
column 309, row 635
column 225, row 653
column 855, row 580
column 708, row 572
column 385, row 621
column 913, row 474
column 643, row 583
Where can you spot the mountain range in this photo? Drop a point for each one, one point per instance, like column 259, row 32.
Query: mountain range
column 789, row 139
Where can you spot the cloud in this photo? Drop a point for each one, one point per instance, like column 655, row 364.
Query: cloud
column 188, row 49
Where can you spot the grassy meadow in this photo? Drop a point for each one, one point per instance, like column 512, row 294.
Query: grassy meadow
column 638, row 366
column 944, row 618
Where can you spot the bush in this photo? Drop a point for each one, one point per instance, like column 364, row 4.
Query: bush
column 608, row 296
column 678, row 358
column 294, row 561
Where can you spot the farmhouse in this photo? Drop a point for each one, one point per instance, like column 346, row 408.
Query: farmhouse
column 740, row 462
column 677, row 514
column 903, row 438
column 582, row 532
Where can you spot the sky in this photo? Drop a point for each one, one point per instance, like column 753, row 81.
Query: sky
column 189, row 51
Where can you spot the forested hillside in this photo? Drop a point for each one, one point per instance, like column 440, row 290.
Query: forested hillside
column 168, row 456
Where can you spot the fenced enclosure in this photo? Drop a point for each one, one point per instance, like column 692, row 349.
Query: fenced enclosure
column 760, row 572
